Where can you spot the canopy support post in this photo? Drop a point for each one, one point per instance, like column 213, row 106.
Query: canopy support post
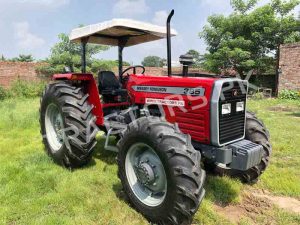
column 122, row 43
column 84, row 42
column 120, row 62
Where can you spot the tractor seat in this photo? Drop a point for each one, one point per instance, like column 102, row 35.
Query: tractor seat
column 109, row 84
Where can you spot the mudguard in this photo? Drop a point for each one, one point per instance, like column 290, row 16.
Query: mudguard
column 91, row 87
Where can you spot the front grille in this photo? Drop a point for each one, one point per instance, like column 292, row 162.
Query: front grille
column 232, row 126
column 192, row 122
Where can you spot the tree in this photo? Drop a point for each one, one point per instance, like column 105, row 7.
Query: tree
column 102, row 65
column 196, row 56
column 243, row 6
column 153, row 61
column 250, row 37
column 2, row 58
column 23, row 58
column 66, row 53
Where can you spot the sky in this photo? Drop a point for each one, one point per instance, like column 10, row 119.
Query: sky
column 32, row 26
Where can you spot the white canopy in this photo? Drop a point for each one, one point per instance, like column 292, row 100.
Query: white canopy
column 130, row 32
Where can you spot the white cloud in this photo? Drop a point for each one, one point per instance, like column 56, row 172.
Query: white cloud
column 130, row 8
column 26, row 39
column 160, row 17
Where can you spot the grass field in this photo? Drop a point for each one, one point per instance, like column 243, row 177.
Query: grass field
column 33, row 190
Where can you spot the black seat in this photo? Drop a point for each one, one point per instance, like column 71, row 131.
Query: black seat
column 109, row 84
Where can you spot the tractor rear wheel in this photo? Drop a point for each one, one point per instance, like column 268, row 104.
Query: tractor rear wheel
column 160, row 171
column 256, row 132
column 67, row 124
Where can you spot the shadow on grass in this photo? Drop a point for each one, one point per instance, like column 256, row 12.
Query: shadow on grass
column 222, row 190
column 104, row 155
column 120, row 194
column 295, row 114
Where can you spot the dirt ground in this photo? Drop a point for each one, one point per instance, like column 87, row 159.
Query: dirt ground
column 257, row 203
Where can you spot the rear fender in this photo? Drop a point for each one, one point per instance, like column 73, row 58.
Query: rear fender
column 92, row 90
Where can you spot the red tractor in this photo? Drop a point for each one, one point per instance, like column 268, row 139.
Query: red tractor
column 167, row 127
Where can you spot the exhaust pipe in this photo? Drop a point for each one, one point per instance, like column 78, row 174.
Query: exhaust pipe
column 169, row 56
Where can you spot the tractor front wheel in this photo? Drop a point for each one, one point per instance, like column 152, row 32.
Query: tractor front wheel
column 160, row 171
column 67, row 124
column 256, row 132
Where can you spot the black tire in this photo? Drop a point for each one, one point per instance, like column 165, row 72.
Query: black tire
column 181, row 162
column 77, row 117
column 256, row 132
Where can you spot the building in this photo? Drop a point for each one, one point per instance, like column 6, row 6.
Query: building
column 289, row 67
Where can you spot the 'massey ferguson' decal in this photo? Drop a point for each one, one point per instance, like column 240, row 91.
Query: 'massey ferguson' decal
column 199, row 91
column 156, row 101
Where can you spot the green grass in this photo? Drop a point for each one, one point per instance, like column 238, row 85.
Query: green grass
column 282, row 117
column 33, row 190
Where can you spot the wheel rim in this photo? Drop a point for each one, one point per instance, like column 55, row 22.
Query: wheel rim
column 54, row 127
column 146, row 175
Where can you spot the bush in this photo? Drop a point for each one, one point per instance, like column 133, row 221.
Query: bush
column 3, row 93
column 258, row 96
column 26, row 89
column 289, row 94
column 102, row 65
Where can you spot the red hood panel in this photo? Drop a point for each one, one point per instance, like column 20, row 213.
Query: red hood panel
column 174, row 81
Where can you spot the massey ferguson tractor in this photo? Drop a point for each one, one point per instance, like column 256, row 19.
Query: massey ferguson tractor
column 168, row 128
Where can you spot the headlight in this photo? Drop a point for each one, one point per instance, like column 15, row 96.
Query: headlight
column 226, row 108
column 239, row 106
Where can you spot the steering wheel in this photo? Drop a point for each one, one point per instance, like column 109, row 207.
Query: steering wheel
column 134, row 71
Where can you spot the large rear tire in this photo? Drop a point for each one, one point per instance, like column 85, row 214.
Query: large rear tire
column 67, row 124
column 160, row 171
column 256, row 132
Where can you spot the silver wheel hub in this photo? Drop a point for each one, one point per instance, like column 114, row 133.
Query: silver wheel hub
column 54, row 127
column 58, row 128
column 145, row 174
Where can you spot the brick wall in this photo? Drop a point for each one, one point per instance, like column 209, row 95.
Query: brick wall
column 10, row 71
column 290, row 67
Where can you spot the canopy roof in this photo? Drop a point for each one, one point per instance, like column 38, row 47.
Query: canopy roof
column 117, row 32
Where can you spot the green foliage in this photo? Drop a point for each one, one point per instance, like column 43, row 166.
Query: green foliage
column 289, row 94
column 258, row 96
column 3, row 93
column 2, row 58
column 102, row 65
column 153, row 61
column 25, row 89
column 105, row 65
column 197, row 58
column 243, row 6
column 22, row 89
column 250, row 37
column 68, row 54
column 23, row 58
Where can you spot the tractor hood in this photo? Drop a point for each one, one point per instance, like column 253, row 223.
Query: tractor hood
column 187, row 92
